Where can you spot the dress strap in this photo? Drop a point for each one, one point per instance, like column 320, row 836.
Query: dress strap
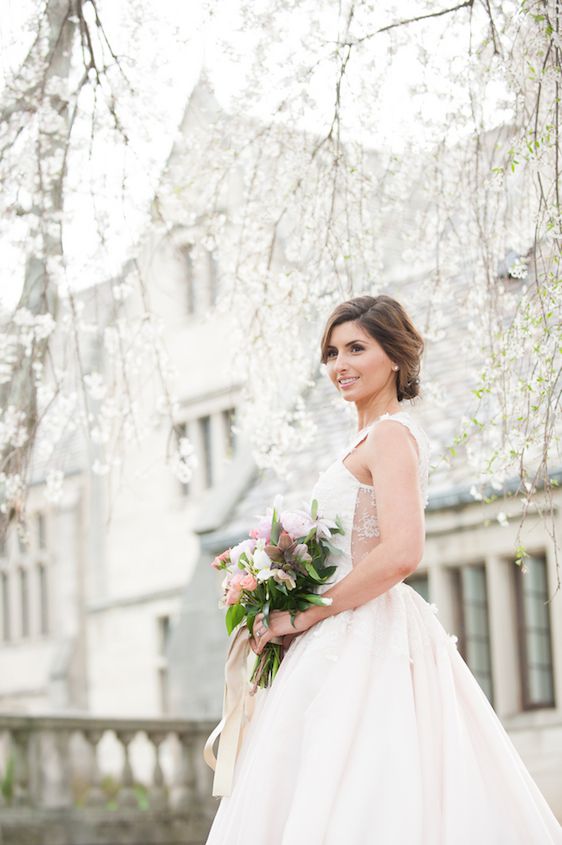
column 419, row 435
column 423, row 444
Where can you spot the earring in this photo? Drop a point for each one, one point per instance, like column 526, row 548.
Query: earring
column 395, row 368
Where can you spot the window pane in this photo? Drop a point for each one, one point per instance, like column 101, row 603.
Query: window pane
column 189, row 279
column 212, row 270
column 535, row 577
column 536, row 612
column 183, row 434
column 43, row 600
column 476, row 619
column 540, row 686
column 476, row 634
column 41, row 534
column 206, row 443
column 474, row 584
column 230, row 435
column 538, row 648
column 478, row 655
column 5, row 588
column 24, row 603
column 485, row 682
column 535, row 641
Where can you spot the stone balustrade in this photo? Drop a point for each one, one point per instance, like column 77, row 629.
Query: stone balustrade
column 80, row 780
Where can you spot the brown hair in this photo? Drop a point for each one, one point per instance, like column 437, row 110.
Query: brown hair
column 385, row 319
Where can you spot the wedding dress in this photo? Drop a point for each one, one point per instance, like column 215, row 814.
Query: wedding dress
column 374, row 731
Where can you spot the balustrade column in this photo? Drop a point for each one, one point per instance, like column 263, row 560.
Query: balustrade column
column 20, row 747
column 126, row 797
column 183, row 793
column 95, row 797
column 158, row 792
column 57, row 787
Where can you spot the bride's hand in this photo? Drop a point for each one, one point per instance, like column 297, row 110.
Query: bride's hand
column 279, row 626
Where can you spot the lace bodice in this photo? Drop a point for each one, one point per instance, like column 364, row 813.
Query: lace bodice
column 340, row 493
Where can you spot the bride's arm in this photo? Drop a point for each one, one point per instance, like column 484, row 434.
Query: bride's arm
column 392, row 459
column 391, row 456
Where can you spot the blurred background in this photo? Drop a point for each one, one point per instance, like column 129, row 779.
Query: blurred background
column 187, row 191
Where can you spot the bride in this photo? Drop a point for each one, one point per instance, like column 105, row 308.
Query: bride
column 374, row 730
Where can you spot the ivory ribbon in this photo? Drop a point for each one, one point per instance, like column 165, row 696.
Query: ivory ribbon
column 237, row 710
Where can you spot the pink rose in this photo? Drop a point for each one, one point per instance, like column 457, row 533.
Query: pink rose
column 220, row 560
column 248, row 582
column 233, row 595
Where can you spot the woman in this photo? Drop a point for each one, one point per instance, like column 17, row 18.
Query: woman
column 374, row 730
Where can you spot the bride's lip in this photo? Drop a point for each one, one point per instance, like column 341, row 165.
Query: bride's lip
column 347, row 382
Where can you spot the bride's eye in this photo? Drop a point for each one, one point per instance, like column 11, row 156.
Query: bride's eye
column 357, row 348
column 330, row 353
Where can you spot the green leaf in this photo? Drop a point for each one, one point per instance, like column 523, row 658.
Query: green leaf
column 234, row 616
column 312, row 572
column 275, row 529
column 314, row 509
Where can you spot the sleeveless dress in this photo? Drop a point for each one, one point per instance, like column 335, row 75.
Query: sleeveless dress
column 375, row 732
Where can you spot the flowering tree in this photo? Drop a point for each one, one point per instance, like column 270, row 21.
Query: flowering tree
column 455, row 205
column 453, row 194
column 74, row 135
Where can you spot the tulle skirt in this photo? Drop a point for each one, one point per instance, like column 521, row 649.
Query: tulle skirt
column 375, row 731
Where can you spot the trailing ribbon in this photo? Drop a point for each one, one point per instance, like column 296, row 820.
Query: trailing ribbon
column 237, row 708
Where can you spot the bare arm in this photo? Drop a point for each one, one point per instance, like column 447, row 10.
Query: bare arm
column 391, row 455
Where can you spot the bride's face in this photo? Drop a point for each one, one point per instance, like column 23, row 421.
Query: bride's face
column 357, row 364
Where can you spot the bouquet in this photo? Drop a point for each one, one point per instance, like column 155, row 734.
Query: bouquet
column 278, row 567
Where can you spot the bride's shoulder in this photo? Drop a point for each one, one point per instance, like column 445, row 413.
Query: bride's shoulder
column 392, row 429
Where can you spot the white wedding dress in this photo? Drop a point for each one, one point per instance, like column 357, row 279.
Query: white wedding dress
column 374, row 731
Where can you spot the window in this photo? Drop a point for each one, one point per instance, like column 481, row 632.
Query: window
column 5, row 588
column 535, row 648
column 43, row 598
column 24, row 602
column 420, row 583
column 200, row 278
column 228, row 417
column 183, row 433
column 163, row 623
column 474, row 631
column 24, row 580
column 41, row 532
column 212, row 278
column 189, row 277
column 213, row 438
column 206, row 449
